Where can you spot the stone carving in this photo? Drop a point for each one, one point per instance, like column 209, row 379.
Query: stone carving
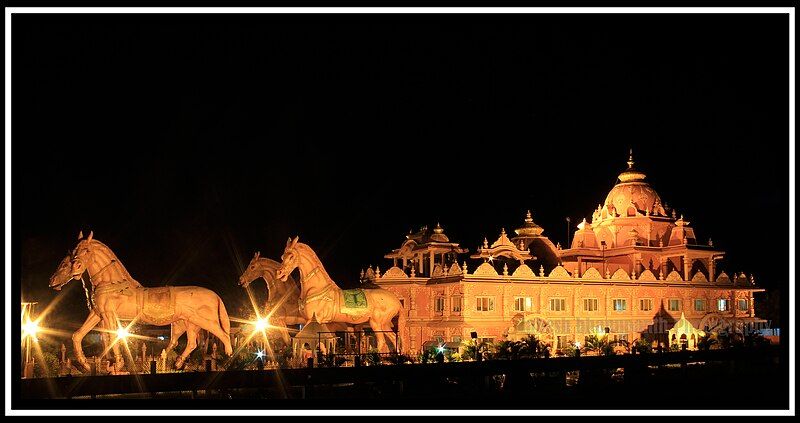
column 723, row 278
column 523, row 271
column 592, row 273
column 559, row 272
column 117, row 296
column 674, row 276
column 437, row 271
column 321, row 297
column 454, row 269
column 282, row 303
column 620, row 275
column 647, row 275
column 699, row 277
column 485, row 269
column 394, row 273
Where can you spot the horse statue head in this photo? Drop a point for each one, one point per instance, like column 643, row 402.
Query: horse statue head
column 289, row 260
column 252, row 272
column 63, row 273
column 82, row 255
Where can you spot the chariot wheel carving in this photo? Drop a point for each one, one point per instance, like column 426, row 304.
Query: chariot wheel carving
column 534, row 325
column 715, row 322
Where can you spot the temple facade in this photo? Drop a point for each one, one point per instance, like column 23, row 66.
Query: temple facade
column 635, row 271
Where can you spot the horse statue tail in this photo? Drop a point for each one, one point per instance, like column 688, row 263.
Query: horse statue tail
column 224, row 321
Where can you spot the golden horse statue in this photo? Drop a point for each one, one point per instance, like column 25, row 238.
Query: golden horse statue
column 116, row 295
column 282, row 301
column 322, row 298
column 63, row 275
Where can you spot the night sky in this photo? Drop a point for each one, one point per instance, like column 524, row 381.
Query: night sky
column 188, row 142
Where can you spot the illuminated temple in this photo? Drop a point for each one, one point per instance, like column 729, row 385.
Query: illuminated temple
column 635, row 271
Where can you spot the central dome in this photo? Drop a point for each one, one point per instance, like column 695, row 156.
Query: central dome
column 633, row 191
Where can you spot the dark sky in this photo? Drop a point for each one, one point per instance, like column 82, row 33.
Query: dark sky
column 188, row 142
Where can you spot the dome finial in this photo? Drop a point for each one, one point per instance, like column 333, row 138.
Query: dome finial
column 528, row 217
column 630, row 159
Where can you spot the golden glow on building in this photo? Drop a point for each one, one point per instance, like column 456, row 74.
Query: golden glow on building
column 635, row 270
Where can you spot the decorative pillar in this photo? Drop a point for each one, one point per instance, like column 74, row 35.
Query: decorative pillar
column 711, row 275
column 430, row 270
column 687, row 264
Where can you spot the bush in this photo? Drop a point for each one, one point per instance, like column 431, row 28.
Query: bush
column 428, row 356
column 642, row 346
column 48, row 368
column 570, row 351
column 373, row 358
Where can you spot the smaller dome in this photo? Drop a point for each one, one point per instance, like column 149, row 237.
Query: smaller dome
column 438, row 234
column 529, row 228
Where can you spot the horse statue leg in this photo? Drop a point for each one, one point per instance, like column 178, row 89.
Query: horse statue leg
column 191, row 343
column 377, row 327
column 176, row 329
column 91, row 321
column 216, row 323
column 110, row 319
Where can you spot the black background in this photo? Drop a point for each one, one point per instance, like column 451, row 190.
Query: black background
column 188, row 142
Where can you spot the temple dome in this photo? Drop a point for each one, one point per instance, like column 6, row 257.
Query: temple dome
column 529, row 228
column 438, row 234
column 633, row 190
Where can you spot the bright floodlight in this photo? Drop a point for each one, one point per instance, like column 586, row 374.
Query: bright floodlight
column 578, row 345
column 440, row 349
column 260, row 354
column 30, row 329
column 122, row 333
column 262, row 324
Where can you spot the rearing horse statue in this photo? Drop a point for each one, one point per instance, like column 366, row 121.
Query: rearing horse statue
column 321, row 297
column 116, row 295
column 283, row 297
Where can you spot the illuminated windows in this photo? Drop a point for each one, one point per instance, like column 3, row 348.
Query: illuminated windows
column 674, row 304
column 646, row 304
column 723, row 304
column 456, row 301
column 620, row 304
column 439, row 304
column 743, row 305
column 484, row 303
column 590, row 304
column 558, row 304
column 523, row 304
column 699, row 305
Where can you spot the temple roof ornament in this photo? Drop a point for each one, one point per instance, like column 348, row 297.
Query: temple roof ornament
column 523, row 271
column 502, row 247
column 426, row 241
column 631, row 196
column 438, row 234
column 529, row 228
column 559, row 273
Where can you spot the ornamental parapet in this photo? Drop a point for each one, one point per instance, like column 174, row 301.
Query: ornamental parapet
column 488, row 272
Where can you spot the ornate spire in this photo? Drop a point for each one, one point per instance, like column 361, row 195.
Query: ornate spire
column 528, row 218
column 630, row 160
column 630, row 174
